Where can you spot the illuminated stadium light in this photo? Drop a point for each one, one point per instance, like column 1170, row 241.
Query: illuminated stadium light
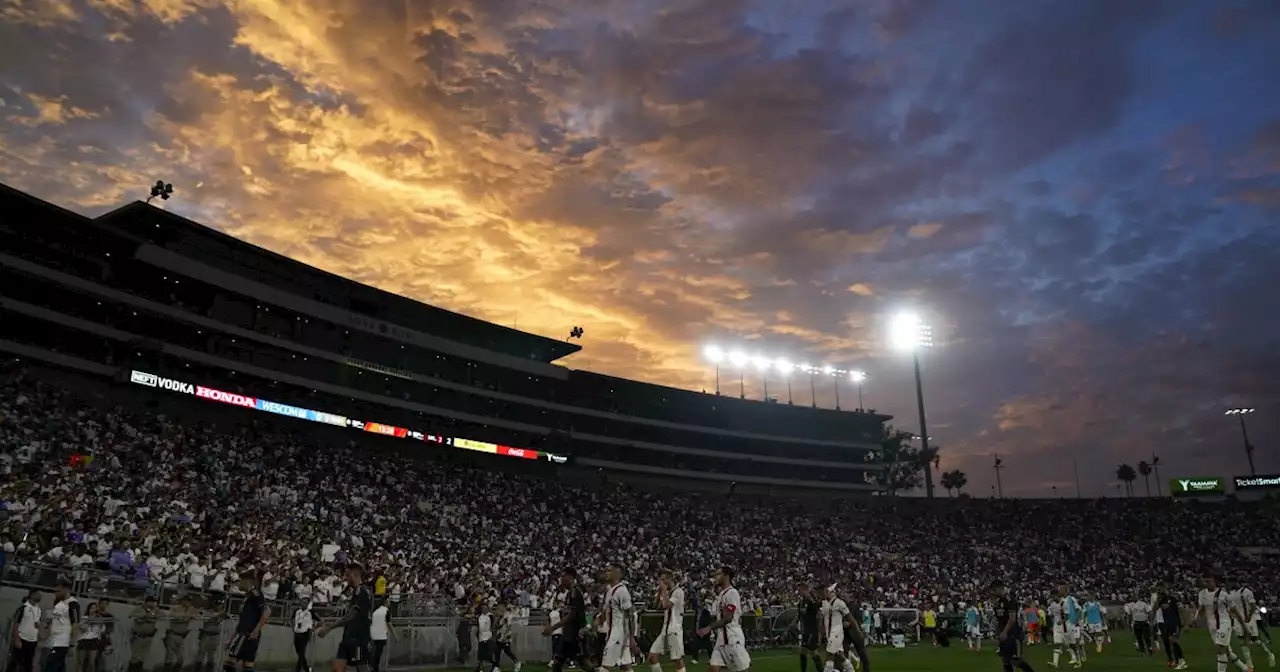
column 828, row 369
column 1240, row 412
column 738, row 358
column 713, row 353
column 784, row 365
column 908, row 332
column 858, row 376
column 761, row 362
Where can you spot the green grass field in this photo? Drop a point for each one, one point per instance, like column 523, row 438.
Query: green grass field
column 1116, row 657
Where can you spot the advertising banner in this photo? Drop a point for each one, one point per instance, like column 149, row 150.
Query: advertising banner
column 1199, row 485
column 1264, row 482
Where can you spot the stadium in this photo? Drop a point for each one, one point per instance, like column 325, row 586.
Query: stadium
column 184, row 415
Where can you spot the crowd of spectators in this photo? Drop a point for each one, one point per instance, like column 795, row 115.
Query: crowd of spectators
column 180, row 503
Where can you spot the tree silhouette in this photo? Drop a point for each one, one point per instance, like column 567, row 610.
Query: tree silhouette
column 954, row 480
column 1145, row 470
column 904, row 464
column 162, row 190
column 1126, row 474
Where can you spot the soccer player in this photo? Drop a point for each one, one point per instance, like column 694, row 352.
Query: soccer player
column 973, row 627
column 1247, row 604
column 869, row 621
column 1007, row 634
column 1170, row 622
column 1220, row 613
column 670, row 640
column 621, row 642
column 484, row 637
column 1066, row 628
column 1140, row 614
column 572, row 625
column 730, row 648
column 503, row 640
column 242, row 650
column 357, row 635
column 809, row 616
column 838, row 619
column 1093, row 622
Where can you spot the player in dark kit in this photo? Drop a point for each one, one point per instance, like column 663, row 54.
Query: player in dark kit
column 242, row 650
column 1171, row 628
column 810, row 613
column 572, row 625
column 357, row 640
column 1008, row 633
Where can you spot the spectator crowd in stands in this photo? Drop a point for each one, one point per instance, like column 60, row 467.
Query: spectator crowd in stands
column 182, row 504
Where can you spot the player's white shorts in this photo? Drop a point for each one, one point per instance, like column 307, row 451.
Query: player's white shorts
column 617, row 653
column 835, row 640
column 1095, row 628
column 1067, row 635
column 1250, row 630
column 731, row 655
column 670, row 645
column 1222, row 637
column 973, row 630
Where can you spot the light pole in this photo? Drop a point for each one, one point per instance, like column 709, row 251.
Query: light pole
column 739, row 361
column 784, row 367
column 999, row 465
column 813, row 389
column 763, row 364
column 1244, row 434
column 714, row 355
column 858, row 378
column 835, row 382
column 909, row 333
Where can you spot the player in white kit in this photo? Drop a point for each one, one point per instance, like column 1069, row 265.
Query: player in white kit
column 1246, row 603
column 1220, row 616
column 730, row 648
column 838, row 619
column 670, row 640
column 620, row 641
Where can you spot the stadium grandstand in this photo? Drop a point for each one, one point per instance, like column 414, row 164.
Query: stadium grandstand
column 141, row 289
column 188, row 418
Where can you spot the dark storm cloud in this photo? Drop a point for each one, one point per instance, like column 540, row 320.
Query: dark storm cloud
column 1085, row 217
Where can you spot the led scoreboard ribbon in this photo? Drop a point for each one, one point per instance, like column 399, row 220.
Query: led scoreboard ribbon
column 212, row 394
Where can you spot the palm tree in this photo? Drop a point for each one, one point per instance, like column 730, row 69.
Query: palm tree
column 1126, row 474
column 1145, row 470
column 947, row 483
column 957, row 478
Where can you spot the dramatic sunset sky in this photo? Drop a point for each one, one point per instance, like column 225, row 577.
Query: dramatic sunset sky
column 1083, row 195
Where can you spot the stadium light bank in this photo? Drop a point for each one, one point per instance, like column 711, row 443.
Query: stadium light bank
column 739, row 360
column 909, row 333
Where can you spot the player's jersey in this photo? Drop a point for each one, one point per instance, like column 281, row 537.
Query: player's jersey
column 1093, row 613
column 1246, row 603
column 673, row 618
column 1006, row 609
column 972, row 618
column 836, row 613
column 617, row 609
column 729, row 601
column 1055, row 613
column 1216, row 605
column 810, row 615
column 576, row 601
column 1070, row 609
column 866, row 619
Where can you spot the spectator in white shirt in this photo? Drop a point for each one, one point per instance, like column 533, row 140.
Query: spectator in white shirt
column 379, row 631
column 26, row 633
column 64, row 627
column 303, row 623
column 197, row 572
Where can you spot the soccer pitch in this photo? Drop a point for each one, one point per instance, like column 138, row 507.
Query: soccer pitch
column 1118, row 656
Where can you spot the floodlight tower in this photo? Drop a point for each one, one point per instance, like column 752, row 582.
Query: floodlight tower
column 909, row 333
column 715, row 355
column 784, row 367
column 858, row 378
column 739, row 360
column 763, row 364
column 835, row 381
column 1244, row 433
